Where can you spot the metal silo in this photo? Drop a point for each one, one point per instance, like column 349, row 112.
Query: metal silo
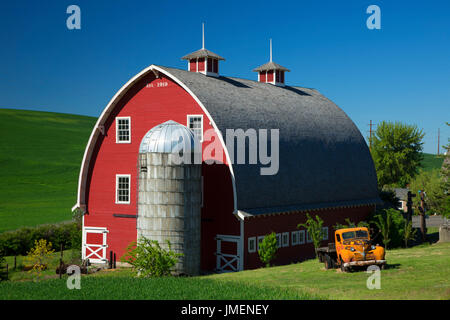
column 169, row 200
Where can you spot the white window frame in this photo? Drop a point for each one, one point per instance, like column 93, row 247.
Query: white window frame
column 308, row 237
column 117, row 129
column 283, row 243
column 324, row 233
column 252, row 239
column 278, row 236
column 117, row 188
column 295, row 233
column 189, row 116
column 259, row 240
column 301, row 237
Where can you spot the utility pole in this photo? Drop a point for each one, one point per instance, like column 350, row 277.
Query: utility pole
column 370, row 135
column 439, row 136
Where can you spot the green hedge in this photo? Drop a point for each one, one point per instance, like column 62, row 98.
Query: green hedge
column 20, row 241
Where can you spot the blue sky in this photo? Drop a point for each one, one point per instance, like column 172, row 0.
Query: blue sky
column 398, row 73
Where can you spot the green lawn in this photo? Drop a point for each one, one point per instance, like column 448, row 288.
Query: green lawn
column 40, row 157
column 421, row 272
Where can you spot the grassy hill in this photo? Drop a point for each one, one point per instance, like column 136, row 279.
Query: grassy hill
column 431, row 161
column 40, row 157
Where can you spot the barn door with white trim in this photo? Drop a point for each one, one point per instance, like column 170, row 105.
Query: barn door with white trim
column 94, row 244
column 228, row 253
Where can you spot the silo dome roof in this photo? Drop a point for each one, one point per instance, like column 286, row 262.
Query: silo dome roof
column 166, row 136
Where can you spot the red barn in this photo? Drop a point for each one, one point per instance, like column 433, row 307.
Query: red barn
column 324, row 165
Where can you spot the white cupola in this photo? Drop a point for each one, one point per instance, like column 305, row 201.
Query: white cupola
column 203, row 60
column 271, row 72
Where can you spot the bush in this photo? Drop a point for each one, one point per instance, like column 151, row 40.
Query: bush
column 149, row 259
column 389, row 227
column 314, row 228
column 21, row 241
column 40, row 256
column 268, row 249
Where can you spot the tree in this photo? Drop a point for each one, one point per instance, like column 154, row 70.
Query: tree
column 383, row 223
column 397, row 153
column 350, row 224
column 268, row 249
column 433, row 184
column 445, row 173
column 408, row 232
column 314, row 229
column 40, row 256
column 149, row 259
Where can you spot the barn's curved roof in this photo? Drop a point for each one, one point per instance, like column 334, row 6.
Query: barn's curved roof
column 323, row 158
column 166, row 137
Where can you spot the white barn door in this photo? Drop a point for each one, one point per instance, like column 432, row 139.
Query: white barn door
column 228, row 253
column 95, row 244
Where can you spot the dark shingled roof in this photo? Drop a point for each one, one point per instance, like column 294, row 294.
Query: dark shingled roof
column 323, row 157
column 270, row 66
column 202, row 53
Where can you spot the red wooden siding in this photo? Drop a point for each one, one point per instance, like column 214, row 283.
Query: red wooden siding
column 270, row 76
column 216, row 65
column 149, row 102
column 193, row 65
column 260, row 226
column 201, row 64
column 262, row 76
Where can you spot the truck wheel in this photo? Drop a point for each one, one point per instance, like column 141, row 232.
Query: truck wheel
column 343, row 269
column 328, row 262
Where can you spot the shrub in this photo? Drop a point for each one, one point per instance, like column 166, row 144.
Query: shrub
column 389, row 224
column 149, row 259
column 3, row 272
column 40, row 256
column 21, row 241
column 314, row 228
column 268, row 249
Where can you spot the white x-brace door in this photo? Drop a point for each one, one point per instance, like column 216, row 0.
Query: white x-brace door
column 95, row 252
column 227, row 262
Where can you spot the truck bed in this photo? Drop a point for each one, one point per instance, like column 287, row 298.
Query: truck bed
column 331, row 248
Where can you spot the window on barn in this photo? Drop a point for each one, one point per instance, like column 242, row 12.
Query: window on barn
column 325, row 233
column 123, row 130
column 252, row 244
column 308, row 237
column 294, row 238
column 260, row 239
column 278, row 235
column 195, row 123
column 285, row 239
column 301, row 237
column 123, row 188
column 143, row 162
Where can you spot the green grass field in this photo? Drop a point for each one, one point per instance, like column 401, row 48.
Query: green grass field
column 421, row 272
column 431, row 161
column 40, row 157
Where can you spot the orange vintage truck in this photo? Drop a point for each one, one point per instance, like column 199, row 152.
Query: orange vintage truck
column 351, row 248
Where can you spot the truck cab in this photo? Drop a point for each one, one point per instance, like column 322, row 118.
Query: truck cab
column 352, row 248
